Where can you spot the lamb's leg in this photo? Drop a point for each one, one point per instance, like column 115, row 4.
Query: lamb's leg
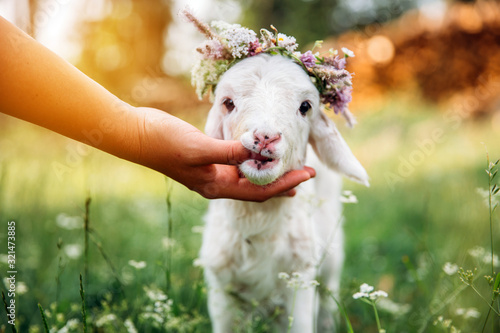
column 221, row 310
column 303, row 311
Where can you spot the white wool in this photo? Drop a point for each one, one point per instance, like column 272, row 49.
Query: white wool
column 245, row 244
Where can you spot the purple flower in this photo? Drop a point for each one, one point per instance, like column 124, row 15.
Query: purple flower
column 336, row 61
column 254, row 48
column 308, row 59
column 213, row 49
column 338, row 98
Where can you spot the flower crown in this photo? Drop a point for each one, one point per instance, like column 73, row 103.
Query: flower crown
column 227, row 44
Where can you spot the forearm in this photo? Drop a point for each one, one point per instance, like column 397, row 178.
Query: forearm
column 38, row 86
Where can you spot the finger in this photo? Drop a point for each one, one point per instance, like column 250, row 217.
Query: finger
column 311, row 171
column 243, row 189
column 290, row 193
column 224, row 152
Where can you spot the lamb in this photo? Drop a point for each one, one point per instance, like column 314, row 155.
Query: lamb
column 270, row 104
column 265, row 98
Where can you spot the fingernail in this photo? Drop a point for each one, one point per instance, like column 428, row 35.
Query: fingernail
column 311, row 172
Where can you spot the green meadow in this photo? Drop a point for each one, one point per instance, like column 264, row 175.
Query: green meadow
column 134, row 235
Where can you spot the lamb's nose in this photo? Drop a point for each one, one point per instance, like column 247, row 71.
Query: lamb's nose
column 265, row 141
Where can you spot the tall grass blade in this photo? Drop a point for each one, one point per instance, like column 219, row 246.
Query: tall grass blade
column 84, row 310
column 168, row 272
column 342, row 311
column 44, row 320
column 86, row 222
column 491, row 189
column 497, row 282
column 108, row 261
column 60, row 269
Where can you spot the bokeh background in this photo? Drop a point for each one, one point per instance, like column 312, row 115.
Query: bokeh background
column 427, row 99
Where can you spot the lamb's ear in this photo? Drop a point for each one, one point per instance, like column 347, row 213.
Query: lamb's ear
column 213, row 127
column 333, row 150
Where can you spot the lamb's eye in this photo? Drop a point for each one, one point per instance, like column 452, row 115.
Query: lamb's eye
column 228, row 104
column 304, row 107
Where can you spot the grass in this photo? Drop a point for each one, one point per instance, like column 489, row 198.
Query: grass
column 398, row 237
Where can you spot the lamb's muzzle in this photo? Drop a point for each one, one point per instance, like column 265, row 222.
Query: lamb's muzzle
column 263, row 149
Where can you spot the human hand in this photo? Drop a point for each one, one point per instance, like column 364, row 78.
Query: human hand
column 203, row 164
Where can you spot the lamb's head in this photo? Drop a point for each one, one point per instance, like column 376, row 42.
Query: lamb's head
column 270, row 104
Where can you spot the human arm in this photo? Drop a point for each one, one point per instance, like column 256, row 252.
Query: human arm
column 38, row 86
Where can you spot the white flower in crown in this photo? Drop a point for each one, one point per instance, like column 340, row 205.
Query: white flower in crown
column 288, row 42
column 238, row 38
column 348, row 52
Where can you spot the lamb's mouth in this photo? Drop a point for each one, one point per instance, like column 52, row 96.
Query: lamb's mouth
column 261, row 162
column 260, row 169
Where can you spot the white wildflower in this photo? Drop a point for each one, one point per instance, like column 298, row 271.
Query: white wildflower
column 73, row 251
column 366, row 288
column 347, row 52
column 137, row 264
column 60, row 317
column 450, row 269
column 167, row 242
column 155, row 294
column 366, row 291
column 69, row 222
column 392, row 307
column 348, row 197
column 487, row 259
column 377, row 294
column 360, row 295
column 477, row 252
column 129, row 325
column 155, row 317
column 163, row 307
column 297, row 281
column 63, row 329
column 313, row 283
column 21, row 288
column 468, row 313
column 288, row 42
column 445, row 323
column 73, row 324
column 103, row 320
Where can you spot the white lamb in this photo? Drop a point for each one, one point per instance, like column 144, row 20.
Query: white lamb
column 270, row 104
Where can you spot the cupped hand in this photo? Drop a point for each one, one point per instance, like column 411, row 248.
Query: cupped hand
column 203, row 164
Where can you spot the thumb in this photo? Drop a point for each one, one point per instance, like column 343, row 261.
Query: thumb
column 228, row 152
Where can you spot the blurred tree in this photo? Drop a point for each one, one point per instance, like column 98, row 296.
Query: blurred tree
column 310, row 20
column 126, row 43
